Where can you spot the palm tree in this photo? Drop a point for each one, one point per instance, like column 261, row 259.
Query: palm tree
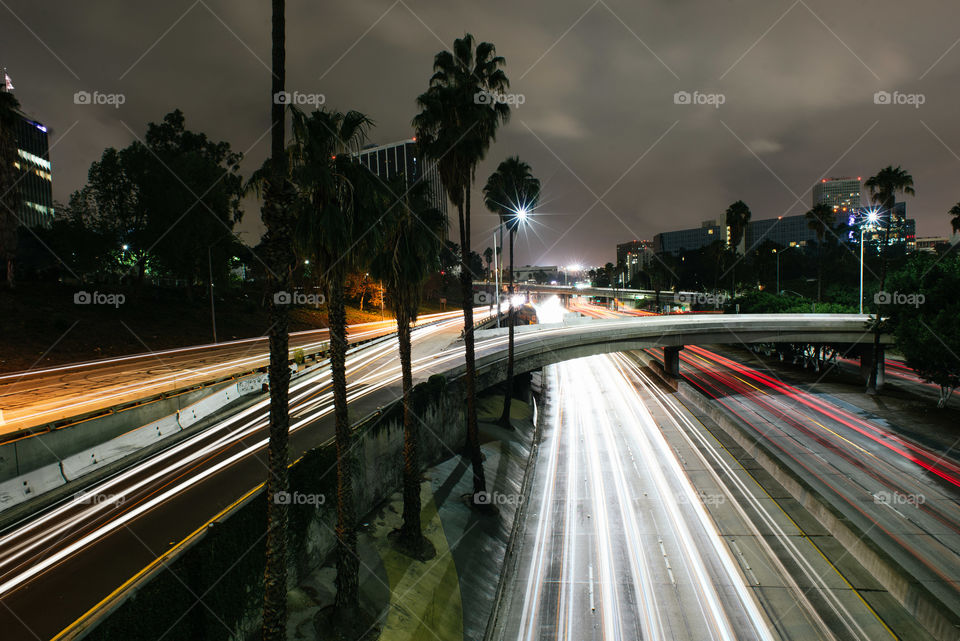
column 338, row 225
column 884, row 188
column 454, row 129
column 410, row 251
column 737, row 219
column 955, row 221
column 9, row 194
column 278, row 218
column 819, row 221
column 511, row 192
column 488, row 257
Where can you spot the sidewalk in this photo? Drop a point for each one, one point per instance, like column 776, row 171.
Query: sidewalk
column 450, row 596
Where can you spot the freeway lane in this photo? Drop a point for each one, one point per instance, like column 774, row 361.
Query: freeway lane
column 61, row 562
column 906, row 496
column 37, row 397
column 622, row 546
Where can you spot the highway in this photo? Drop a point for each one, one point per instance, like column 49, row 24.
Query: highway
column 123, row 523
column 640, row 526
column 905, row 495
column 37, row 397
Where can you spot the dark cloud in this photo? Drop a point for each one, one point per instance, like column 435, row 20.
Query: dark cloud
column 598, row 78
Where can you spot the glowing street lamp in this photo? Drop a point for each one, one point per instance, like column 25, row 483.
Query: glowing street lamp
column 872, row 216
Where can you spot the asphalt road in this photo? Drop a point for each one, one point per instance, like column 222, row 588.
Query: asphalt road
column 38, row 397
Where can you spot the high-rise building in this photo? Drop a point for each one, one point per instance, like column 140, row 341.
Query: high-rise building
column 634, row 256
column 843, row 194
column 403, row 159
column 35, row 179
column 790, row 230
column 676, row 242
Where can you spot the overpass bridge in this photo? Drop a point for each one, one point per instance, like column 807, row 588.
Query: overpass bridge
column 621, row 293
column 540, row 345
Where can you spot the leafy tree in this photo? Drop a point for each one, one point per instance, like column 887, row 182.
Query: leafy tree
column 884, row 187
column 926, row 323
column 277, row 216
column 9, row 193
column 339, row 202
column 511, row 192
column 820, row 221
column 413, row 237
column 455, row 128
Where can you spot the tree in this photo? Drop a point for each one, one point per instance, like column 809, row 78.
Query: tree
column 737, row 219
column 884, row 187
column 927, row 323
column 455, row 128
column 511, row 192
column 955, row 221
column 339, row 203
column 278, row 218
column 413, row 236
column 9, row 177
column 820, row 221
column 488, row 257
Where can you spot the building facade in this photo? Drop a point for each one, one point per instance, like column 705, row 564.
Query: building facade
column 635, row 256
column 35, row 174
column 403, row 159
column 843, row 194
column 676, row 242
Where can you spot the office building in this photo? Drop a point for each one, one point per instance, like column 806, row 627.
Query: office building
column 932, row 244
column 843, row 194
column 403, row 159
column 35, row 178
column 635, row 256
column 677, row 242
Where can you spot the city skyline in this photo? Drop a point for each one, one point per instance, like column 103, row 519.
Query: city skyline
column 802, row 91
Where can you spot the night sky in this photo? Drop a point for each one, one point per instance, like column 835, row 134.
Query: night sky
column 618, row 158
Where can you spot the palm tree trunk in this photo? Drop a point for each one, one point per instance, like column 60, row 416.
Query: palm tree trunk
column 466, row 291
column 819, row 268
column 411, row 530
column 511, row 316
column 279, row 229
column 348, row 564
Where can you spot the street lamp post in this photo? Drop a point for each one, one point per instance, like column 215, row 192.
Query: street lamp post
column 496, row 275
column 872, row 217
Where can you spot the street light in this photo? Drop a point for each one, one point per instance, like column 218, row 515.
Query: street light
column 873, row 215
column 778, row 252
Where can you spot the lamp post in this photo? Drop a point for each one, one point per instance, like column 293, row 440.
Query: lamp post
column 496, row 275
column 778, row 252
column 872, row 217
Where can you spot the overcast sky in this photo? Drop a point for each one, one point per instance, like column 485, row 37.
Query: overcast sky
column 618, row 158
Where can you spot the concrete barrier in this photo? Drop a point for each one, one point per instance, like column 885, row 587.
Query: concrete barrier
column 28, row 486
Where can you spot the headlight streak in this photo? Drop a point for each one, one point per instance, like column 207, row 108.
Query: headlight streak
column 224, row 438
column 730, row 476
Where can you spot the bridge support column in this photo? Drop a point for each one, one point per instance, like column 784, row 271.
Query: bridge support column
column 671, row 360
column 866, row 364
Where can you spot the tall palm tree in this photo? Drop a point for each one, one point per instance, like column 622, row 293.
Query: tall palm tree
column 955, row 221
column 511, row 192
column 278, row 218
column 9, row 177
column 337, row 229
column 455, row 129
column 413, row 236
column 884, row 188
column 737, row 219
column 819, row 221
